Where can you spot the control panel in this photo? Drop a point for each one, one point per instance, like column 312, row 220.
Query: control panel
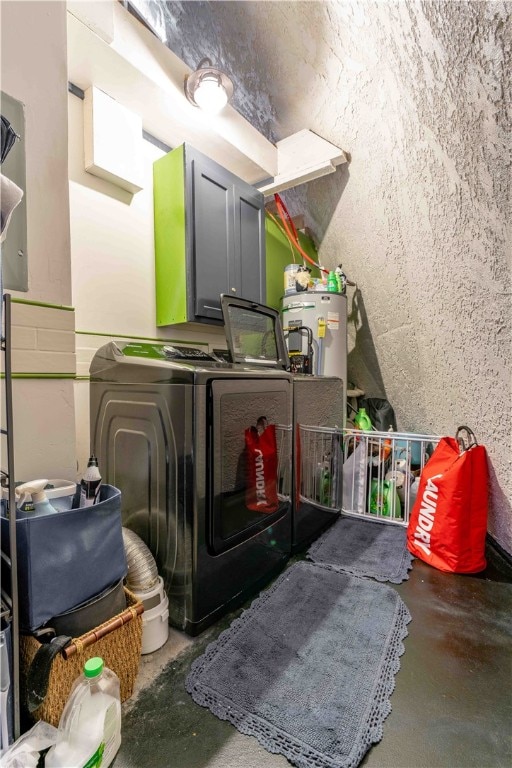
column 187, row 353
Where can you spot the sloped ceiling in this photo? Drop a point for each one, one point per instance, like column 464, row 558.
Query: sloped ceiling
column 416, row 93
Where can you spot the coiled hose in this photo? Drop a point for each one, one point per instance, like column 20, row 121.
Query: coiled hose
column 142, row 569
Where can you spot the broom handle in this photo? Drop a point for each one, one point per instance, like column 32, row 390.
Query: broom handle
column 106, row 629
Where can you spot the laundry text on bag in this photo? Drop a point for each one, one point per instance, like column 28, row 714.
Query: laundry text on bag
column 426, row 515
column 260, row 478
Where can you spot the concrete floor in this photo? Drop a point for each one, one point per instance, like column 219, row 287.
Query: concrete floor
column 451, row 707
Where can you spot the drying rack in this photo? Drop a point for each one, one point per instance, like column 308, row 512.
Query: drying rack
column 320, row 451
column 374, row 475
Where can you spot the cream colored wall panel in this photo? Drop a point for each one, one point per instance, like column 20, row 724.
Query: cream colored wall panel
column 55, row 341
column 34, row 361
column 112, row 246
column 35, row 316
column 23, row 338
column 44, row 444
column 83, row 446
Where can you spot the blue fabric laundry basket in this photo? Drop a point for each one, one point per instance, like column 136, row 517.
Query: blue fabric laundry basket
column 68, row 557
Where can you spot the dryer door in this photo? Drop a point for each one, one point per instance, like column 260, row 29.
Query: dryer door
column 236, row 511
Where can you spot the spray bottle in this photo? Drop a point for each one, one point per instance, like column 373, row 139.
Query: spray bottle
column 91, row 482
column 40, row 504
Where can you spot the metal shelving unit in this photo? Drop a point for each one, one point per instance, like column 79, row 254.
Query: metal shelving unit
column 11, row 558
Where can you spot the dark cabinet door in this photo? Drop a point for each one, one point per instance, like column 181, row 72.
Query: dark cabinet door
column 209, row 238
column 228, row 238
column 213, row 244
column 249, row 243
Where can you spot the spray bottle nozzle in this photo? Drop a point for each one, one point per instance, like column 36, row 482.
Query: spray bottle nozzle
column 34, row 488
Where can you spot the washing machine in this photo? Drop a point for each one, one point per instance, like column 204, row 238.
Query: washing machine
column 255, row 336
column 168, row 425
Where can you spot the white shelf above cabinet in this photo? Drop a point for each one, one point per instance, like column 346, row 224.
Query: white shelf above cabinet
column 302, row 157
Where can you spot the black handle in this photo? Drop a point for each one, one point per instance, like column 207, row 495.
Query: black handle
column 38, row 675
column 468, row 442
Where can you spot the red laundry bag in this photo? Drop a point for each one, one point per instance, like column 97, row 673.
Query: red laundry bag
column 448, row 522
column 261, row 452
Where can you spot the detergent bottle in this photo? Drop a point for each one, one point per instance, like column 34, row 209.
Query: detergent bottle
column 89, row 733
column 91, row 482
column 384, row 499
column 332, row 283
column 39, row 504
column 362, row 421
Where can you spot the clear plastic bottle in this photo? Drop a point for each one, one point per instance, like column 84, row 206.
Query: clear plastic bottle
column 89, row 734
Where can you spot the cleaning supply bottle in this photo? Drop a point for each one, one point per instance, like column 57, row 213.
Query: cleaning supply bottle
column 332, row 283
column 392, row 506
column 341, row 278
column 91, row 482
column 39, row 505
column 89, row 733
column 362, row 421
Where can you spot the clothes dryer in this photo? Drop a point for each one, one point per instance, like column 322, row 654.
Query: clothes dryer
column 255, row 336
column 168, row 427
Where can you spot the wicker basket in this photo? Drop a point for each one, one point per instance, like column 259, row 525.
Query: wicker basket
column 120, row 649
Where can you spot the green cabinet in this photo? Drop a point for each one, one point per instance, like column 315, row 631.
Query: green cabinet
column 209, row 238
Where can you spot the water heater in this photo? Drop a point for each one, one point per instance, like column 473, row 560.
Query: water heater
column 325, row 315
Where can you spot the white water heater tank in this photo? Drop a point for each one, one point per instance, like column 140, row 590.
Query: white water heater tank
column 321, row 311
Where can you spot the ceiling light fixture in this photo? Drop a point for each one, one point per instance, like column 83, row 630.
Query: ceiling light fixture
column 208, row 87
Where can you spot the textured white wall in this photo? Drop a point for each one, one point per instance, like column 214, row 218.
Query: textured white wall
column 416, row 92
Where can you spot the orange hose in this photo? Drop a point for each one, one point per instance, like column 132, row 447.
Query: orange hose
column 291, row 232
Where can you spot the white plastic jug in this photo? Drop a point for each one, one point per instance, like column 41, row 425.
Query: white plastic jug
column 89, row 734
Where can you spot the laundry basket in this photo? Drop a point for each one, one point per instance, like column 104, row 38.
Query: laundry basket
column 381, row 472
column 284, row 461
column 319, row 466
column 120, row 649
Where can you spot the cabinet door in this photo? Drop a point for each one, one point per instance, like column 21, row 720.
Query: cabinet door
column 249, row 243
column 212, row 242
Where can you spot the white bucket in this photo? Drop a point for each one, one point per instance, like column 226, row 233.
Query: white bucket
column 155, row 627
column 151, row 598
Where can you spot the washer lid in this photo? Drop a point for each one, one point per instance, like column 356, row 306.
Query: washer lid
column 254, row 333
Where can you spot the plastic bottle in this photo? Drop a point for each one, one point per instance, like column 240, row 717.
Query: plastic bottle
column 362, row 421
column 332, row 283
column 90, row 725
column 91, row 482
column 341, row 278
column 40, row 504
column 384, row 499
